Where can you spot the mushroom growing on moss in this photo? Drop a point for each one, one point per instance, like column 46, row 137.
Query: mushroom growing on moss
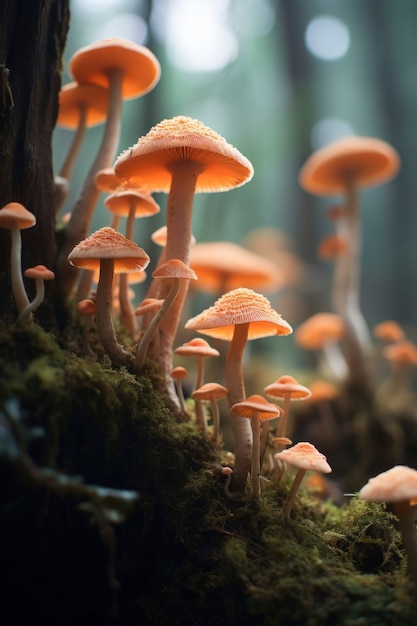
column 111, row 252
column 238, row 316
column 398, row 486
column 212, row 392
column 39, row 273
column 181, row 156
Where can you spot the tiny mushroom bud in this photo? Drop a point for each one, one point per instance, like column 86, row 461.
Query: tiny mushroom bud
column 15, row 217
column 398, row 486
column 303, row 456
column 257, row 409
column 212, row 392
column 39, row 273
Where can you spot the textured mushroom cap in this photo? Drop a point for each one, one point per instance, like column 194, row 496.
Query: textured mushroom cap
column 119, row 203
column 223, row 265
column 319, row 329
column 39, row 271
column 305, row 456
column 388, row 331
column 256, row 405
column 365, row 160
column 15, row 215
column 395, row 485
column 210, row 391
column 287, row 386
column 75, row 98
column 196, row 347
column 240, row 306
column 141, row 69
column 183, row 139
column 174, row 268
column 107, row 243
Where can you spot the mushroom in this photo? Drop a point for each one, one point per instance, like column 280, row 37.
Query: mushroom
column 127, row 70
column 130, row 203
column 398, row 486
column 181, row 156
column 175, row 272
column 87, row 308
column 178, row 374
column 385, row 332
column 222, row 266
column 111, row 252
column 80, row 107
column 15, row 217
column 39, row 273
column 289, row 389
column 303, row 456
column 345, row 167
column 322, row 332
column 257, row 409
column 212, row 392
column 200, row 349
column 238, row 316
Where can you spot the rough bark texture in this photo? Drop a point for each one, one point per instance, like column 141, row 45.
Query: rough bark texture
column 32, row 40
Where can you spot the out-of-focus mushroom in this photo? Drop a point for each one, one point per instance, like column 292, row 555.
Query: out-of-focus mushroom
column 398, row 486
column 322, row 332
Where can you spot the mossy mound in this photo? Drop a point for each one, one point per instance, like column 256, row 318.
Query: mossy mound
column 113, row 512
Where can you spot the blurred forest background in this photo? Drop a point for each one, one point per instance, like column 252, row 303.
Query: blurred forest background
column 279, row 79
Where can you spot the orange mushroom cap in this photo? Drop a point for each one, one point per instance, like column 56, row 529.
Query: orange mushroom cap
column 15, row 215
column 107, row 243
column 179, row 372
column 210, row 391
column 106, row 180
column 256, row 405
column 148, row 163
column 318, row 329
column 322, row 390
column 365, row 160
column 287, row 386
column 223, row 266
column 39, row 271
column 149, row 305
column 240, row 306
column 174, row 268
column 305, row 456
column 389, row 331
column 120, row 201
column 401, row 353
column 196, row 347
column 141, row 69
column 75, row 98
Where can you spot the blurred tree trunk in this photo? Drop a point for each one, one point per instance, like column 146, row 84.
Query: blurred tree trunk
column 32, row 40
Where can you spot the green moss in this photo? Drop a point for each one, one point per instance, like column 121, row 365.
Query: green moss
column 183, row 554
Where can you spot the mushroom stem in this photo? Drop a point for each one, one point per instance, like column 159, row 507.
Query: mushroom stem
column 406, row 525
column 104, row 321
column 180, row 394
column 215, row 415
column 70, row 158
column 283, row 422
column 77, row 227
column 38, row 299
column 293, row 491
column 199, row 406
column 179, row 239
column 127, row 314
column 241, row 428
column 256, row 460
column 18, row 288
column 156, row 322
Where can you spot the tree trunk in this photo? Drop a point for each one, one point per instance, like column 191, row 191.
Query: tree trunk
column 32, row 39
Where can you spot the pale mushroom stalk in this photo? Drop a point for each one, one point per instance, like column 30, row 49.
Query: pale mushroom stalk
column 293, row 491
column 36, row 302
column 156, row 322
column 256, row 458
column 127, row 315
column 70, row 158
column 105, row 327
column 18, row 288
column 199, row 406
column 407, row 528
column 82, row 213
column 215, row 414
column 356, row 331
column 241, row 428
column 333, row 360
column 179, row 240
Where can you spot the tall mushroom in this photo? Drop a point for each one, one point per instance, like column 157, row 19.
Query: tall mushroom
column 15, row 217
column 111, row 252
column 238, row 316
column 181, row 156
column 128, row 70
column 345, row 167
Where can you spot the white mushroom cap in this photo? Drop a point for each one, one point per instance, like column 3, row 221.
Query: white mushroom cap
column 395, row 485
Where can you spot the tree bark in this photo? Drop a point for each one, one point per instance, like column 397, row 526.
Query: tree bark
column 32, row 41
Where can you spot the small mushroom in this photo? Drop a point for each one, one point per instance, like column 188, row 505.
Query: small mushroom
column 398, row 486
column 212, row 392
column 303, row 456
column 178, row 374
column 39, row 273
column 257, row 409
